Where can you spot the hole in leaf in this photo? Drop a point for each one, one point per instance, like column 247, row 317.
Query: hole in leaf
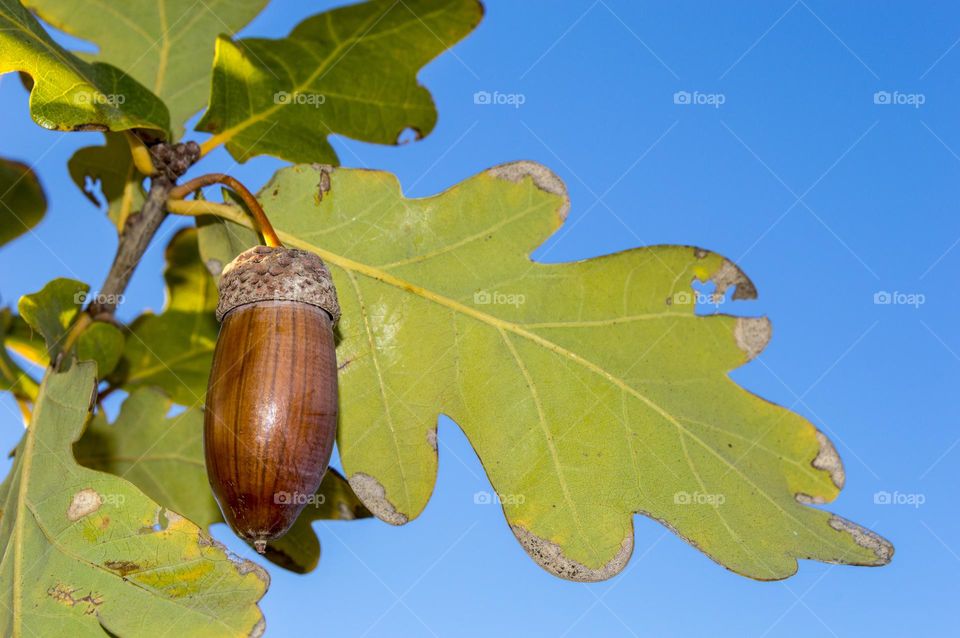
column 408, row 135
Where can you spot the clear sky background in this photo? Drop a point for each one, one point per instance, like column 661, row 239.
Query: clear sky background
column 823, row 196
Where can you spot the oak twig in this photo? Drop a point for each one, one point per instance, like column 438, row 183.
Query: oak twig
column 170, row 161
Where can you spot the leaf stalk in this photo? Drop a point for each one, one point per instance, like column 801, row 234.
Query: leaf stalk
column 270, row 237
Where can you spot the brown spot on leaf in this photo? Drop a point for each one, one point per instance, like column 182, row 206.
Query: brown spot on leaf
column 863, row 537
column 432, row 438
column 70, row 597
column 85, row 502
column 374, row 496
column 544, row 179
column 752, row 335
column 242, row 565
column 323, row 185
column 122, row 567
column 829, row 461
column 550, row 556
column 728, row 275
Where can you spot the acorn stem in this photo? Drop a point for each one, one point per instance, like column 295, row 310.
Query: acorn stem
column 270, row 237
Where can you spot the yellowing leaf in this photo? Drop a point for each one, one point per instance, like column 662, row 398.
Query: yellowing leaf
column 69, row 94
column 350, row 71
column 166, row 45
column 22, row 203
column 164, row 458
column 85, row 551
column 26, row 341
column 12, row 378
column 590, row 390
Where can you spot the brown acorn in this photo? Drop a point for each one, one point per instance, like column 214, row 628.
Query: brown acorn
column 271, row 406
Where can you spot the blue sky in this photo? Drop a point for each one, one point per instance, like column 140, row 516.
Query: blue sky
column 820, row 150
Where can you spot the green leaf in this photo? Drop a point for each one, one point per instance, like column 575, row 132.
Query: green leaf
column 221, row 241
column 12, row 377
column 22, row 203
column 52, row 311
column 112, row 166
column 69, row 94
column 164, row 458
column 85, row 551
column 103, row 343
column 190, row 286
column 590, row 390
column 350, row 71
column 166, row 45
column 173, row 350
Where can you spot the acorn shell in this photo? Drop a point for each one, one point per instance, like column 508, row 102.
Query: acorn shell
column 271, row 406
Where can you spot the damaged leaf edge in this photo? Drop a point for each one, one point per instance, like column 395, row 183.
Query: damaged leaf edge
column 751, row 334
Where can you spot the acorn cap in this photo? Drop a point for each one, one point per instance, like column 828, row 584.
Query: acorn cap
column 265, row 273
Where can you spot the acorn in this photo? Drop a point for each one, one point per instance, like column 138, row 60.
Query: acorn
column 271, row 406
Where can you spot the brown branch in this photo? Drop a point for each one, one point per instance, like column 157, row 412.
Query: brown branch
column 171, row 161
column 134, row 240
